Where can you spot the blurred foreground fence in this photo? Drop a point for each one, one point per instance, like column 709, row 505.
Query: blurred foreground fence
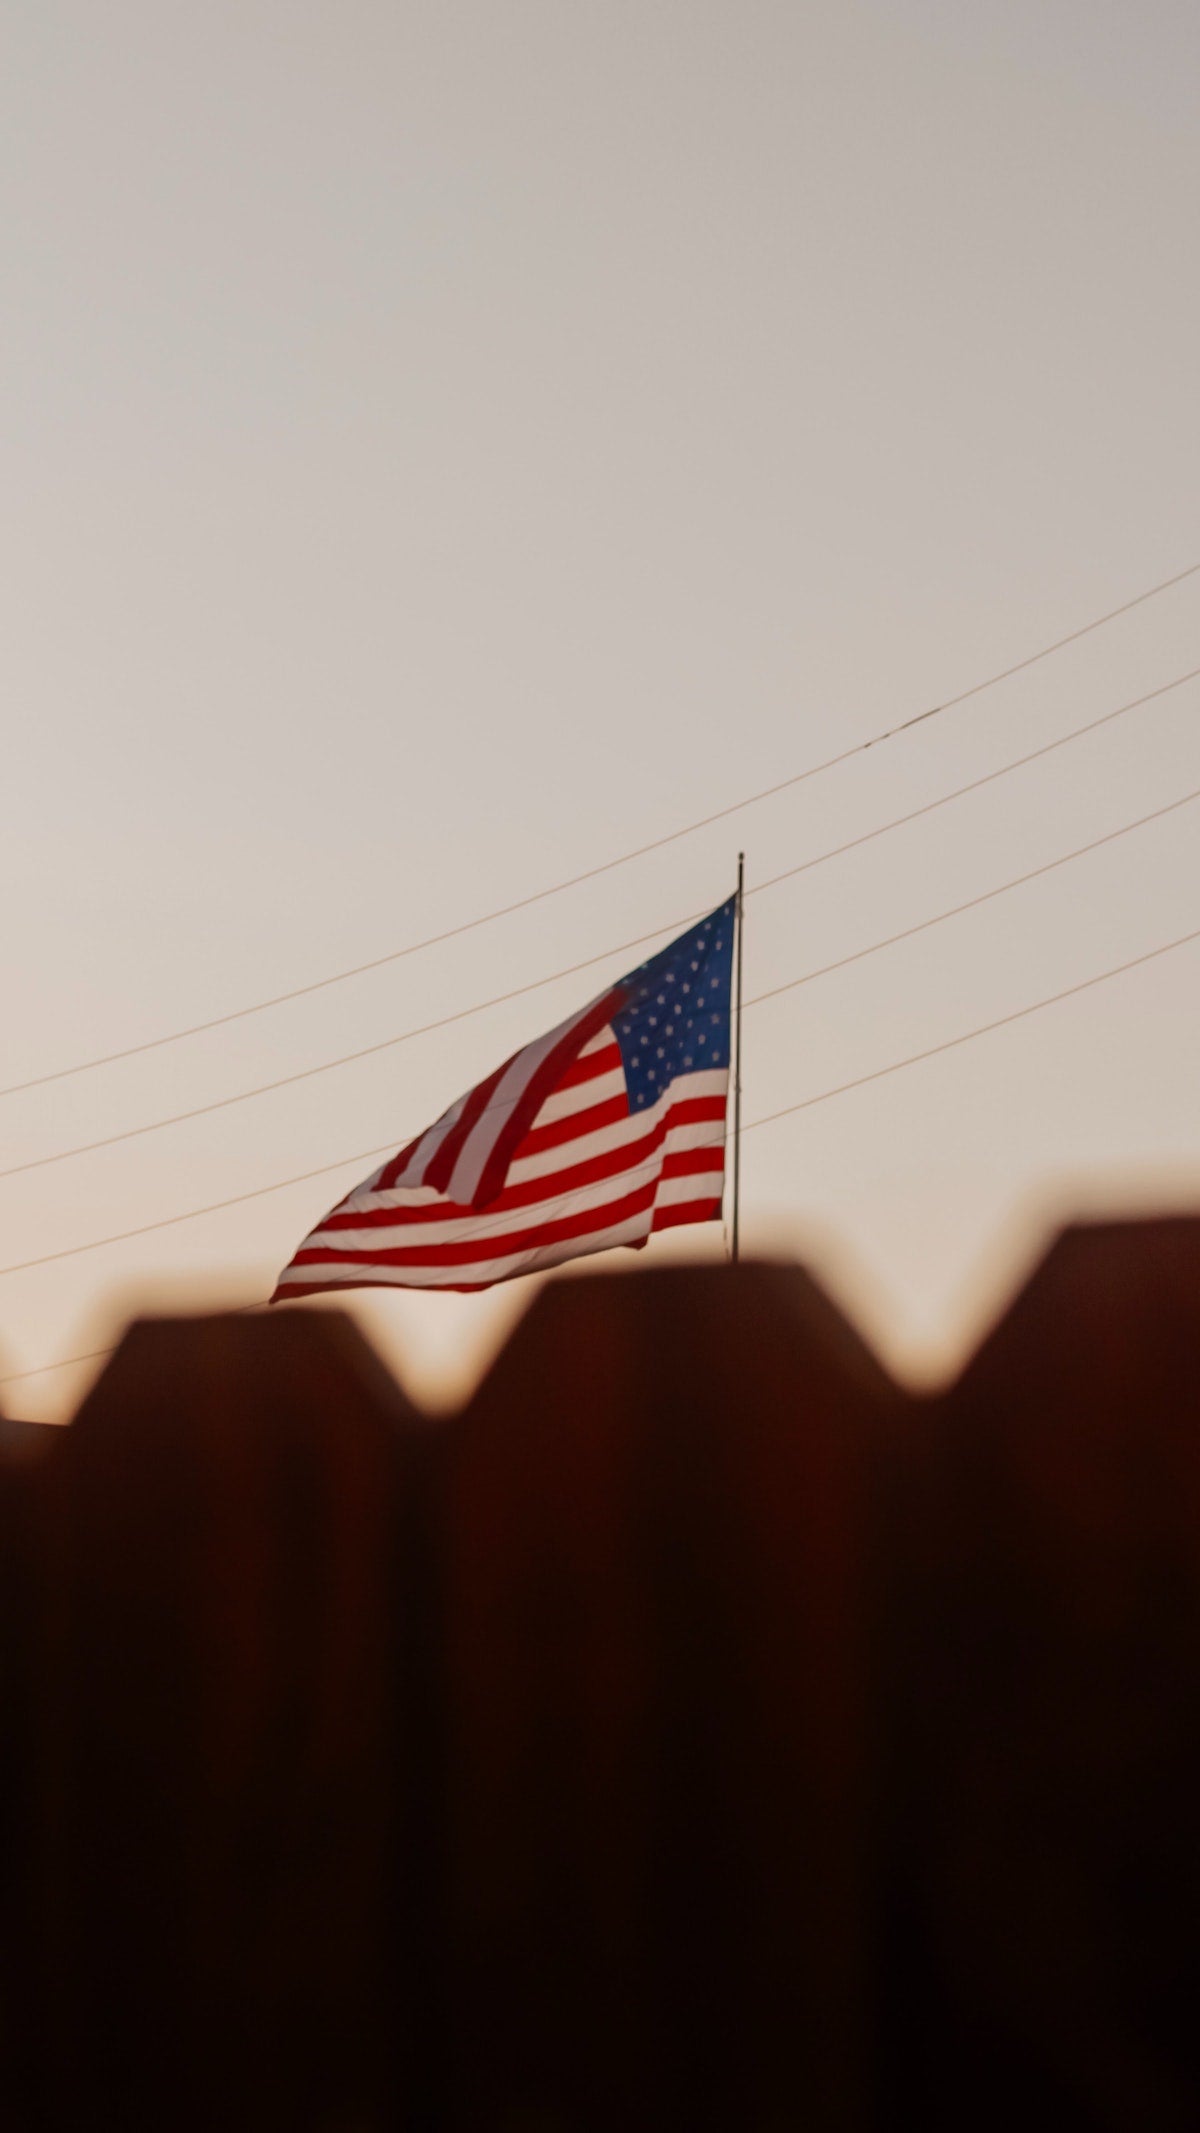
column 696, row 1732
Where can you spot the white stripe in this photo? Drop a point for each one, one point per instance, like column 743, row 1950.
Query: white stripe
column 632, row 1231
column 604, row 1139
column 365, row 1200
column 464, row 1228
column 607, row 1140
column 474, row 1153
column 678, row 1192
column 699, row 1185
column 430, row 1141
column 501, row 1268
column 713, row 1082
column 408, row 1188
column 585, row 1093
column 700, row 1190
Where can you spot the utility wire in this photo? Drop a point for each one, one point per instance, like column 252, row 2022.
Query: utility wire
column 385, row 1044
column 1060, row 645
column 193, row 1214
column 487, row 1224
column 327, row 1066
column 989, row 777
column 972, row 903
column 809, row 977
column 806, row 1103
column 96, row 1355
column 92, row 1355
column 572, row 881
column 984, row 1029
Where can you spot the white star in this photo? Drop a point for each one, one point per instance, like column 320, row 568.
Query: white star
column 687, row 1061
column 700, row 1039
column 659, row 1053
column 686, row 986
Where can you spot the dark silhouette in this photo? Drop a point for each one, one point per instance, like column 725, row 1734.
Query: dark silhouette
column 696, row 1732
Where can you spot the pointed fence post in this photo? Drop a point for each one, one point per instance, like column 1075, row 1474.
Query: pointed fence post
column 1045, row 1663
column 655, row 1526
column 22, row 1444
column 221, row 1752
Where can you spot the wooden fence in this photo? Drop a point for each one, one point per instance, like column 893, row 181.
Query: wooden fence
column 696, row 1732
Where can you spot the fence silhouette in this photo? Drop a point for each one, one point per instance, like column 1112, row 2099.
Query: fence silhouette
column 695, row 1732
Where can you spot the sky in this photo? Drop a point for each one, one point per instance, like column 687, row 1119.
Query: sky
column 444, row 448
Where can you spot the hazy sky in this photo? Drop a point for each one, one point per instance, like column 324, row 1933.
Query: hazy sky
column 447, row 445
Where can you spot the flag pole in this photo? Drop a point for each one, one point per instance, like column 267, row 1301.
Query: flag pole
column 737, row 1062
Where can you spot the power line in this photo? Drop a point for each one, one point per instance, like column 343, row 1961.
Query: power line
column 985, row 1028
column 1073, row 637
column 328, row 1066
column 367, row 1051
column 482, row 1228
column 989, row 777
column 193, row 1214
column 809, row 977
column 573, row 881
column 92, row 1355
column 973, row 902
column 485, row 1226
column 806, row 1103
column 96, row 1355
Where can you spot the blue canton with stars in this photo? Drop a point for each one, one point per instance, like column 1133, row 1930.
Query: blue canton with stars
column 676, row 1013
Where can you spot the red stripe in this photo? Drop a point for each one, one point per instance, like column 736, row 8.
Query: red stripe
column 572, row 1128
column 685, row 1211
column 687, row 1111
column 439, row 1168
column 663, row 1219
column 596, row 1063
column 628, row 1156
column 540, row 1085
column 676, row 1217
column 469, row 1251
column 395, row 1168
column 693, row 1162
column 583, row 1070
column 472, row 1251
column 295, row 1291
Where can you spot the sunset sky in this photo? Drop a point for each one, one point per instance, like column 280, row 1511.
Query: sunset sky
column 447, row 447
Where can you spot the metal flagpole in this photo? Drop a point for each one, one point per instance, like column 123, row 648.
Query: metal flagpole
column 737, row 1062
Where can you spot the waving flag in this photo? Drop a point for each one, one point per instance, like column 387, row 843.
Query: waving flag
column 610, row 1127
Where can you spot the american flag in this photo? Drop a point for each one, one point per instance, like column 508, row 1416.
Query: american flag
column 605, row 1130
